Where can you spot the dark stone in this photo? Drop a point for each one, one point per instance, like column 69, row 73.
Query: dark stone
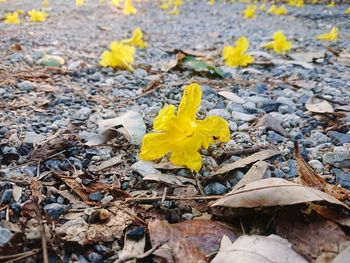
column 6, row 196
column 5, row 236
column 9, row 154
column 95, row 257
column 338, row 138
column 293, row 171
column 268, row 105
column 136, row 233
column 274, row 137
column 278, row 173
column 215, row 188
column 342, row 178
column 260, row 88
column 207, row 91
column 96, row 196
column 55, row 210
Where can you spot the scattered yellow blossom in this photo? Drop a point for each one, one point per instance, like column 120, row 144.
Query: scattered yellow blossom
column 211, row 2
column 234, row 55
column 278, row 11
column 280, row 44
column 262, row 7
column 129, row 8
column 115, row 3
column 331, row 4
column 166, row 4
column 136, row 39
column 182, row 134
column 37, row 16
column 175, row 11
column 45, row 3
column 296, row 3
column 121, row 56
column 12, row 18
column 347, row 11
column 79, row 2
column 249, row 12
column 2, row 1
column 330, row 36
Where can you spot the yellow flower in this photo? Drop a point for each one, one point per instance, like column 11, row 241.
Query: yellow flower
column 120, row 56
column 177, row 3
column 79, row 2
column 129, row 9
column 234, row 56
column 280, row 44
column 347, row 11
column 12, row 18
column 175, row 11
column 296, row 3
column 115, row 3
column 331, row 4
column 278, row 11
column 2, row 1
column 166, row 4
column 249, row 12
column 262, row 7
column 182, row 134
column 211, row 2
column 45, row 3
column 136, row 39
column 330, row 36
column 37, row 16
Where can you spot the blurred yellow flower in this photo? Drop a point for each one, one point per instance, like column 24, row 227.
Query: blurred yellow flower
column 129, row 8
column 37, row 16
column 296, row 3
column 166, row 4
column 175, row 11
column 182, row 134
column 330, row 36
column 136, row 39
column 2, row 1
column 262, row 7
column 234, row 55
column 121, row 56
column 211, row 2
column 12, row 18
column 79, row 2
column 115, row 3
column 278, row 11
column 249, row 12
column 331, row 4
column 280, row 44
column 347, row 11
column 45, row 3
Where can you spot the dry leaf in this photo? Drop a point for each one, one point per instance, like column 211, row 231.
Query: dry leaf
column 108, row 163
column 317, row 105
column 231, row 96
column 343, row 256
column 189, row 241
column 308, row 57
column 274, row 192
column 17, row 192
column 343, row 59
column 255, row 173
column 257, row 249
column 130, row 124
column 271, row 123
column 131, row 250
column 173, row 63
column 169, row 179
column 241, row 163
column 312, row 179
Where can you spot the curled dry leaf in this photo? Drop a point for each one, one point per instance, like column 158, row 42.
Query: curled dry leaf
column 343, row 256
column 130, row 124
column 312, row 179
column 241, row 163
column 132, row 249
column 255, row 173
column 317, row 105
column 271, row 123
column 274, row 192
column 257, row 249
column 189, row 241
column 232, row 97
column 169, row 179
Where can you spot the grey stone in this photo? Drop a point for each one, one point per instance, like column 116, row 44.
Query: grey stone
column 215, row 188
column 140, row 73
column 55, row 210
column 319, row 138
column 5, row 236
column 220, row 112
column 144, row 168
column 83, row 114
column 338, row 138
column 274, row 137
column 239, row 116
column 96, row 77
column 235, row 177
column 337, row 159
column 26, row 86
column 341, row 177
column 187, row 216
column 6, row 196
column 33, row 137
column 316, row 165
column 292, row 171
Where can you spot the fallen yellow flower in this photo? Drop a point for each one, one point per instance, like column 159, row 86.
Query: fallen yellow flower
column 234, row 55
column 129, row 8
column 280, row 44
column 115, row 3
column 249, row 12
column 331, row 4
column 37, row 16
column 211, row 2
column 296, row 3
column 12, row 18
column 278, row 11
column 175, row 11
column 121, row 56
column 262, row 7
column 136, row 39
column 45, row 3
column 330, row 36
column 79, row 2
column 347, row 11
column 182, row 134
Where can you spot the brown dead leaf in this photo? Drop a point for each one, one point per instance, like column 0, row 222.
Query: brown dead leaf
column 310, row 239
column 189, row 241
column 169, row 179
column 271, row 123
column 84, row 191
column 255, row 173
column 241, row 163
column 84, row 233
column 274, row 192
column 257, row 249
column 173, row 63
column 132, row 249
column 312, row 179
column 317, row 105
column 107, row 163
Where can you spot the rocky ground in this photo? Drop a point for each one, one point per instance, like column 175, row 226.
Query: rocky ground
column 48, row 113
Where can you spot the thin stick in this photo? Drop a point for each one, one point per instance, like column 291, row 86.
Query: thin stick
column 19, row 256
column 156, row 198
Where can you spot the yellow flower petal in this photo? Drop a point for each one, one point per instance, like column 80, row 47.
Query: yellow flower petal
column 190, row 103
column 213, row 126
column 154, row 146
column 192, row 160
column 164, row 118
